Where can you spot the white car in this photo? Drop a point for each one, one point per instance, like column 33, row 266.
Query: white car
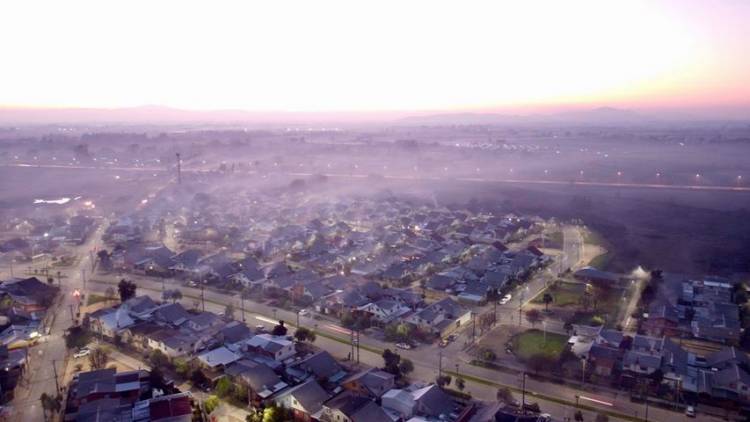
column 304, row 312
column 82, row 353
column 404, row 346
column 505, row 299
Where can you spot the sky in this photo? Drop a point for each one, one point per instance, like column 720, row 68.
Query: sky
column 367, row 56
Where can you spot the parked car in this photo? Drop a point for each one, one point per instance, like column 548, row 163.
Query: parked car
column 690, row 412
column 304, row 312
column 82, row 353
column 506, row 299
column 443, row 342
column 405, row 346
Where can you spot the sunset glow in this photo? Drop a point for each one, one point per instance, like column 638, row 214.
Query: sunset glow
column 374, row 56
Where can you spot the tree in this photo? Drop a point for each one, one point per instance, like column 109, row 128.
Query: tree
column 405, row 366
column 210, row 404
column 158, row 359
column 547, row 299
column 391, row 361
column 460, row 384
column 224, row 387
column 50, row 404
column 229, row 311
column 126, row 289
column 198, row 378
column 304, row 334
column 534, row 316
column 279, row 329
column 173, row 295
column 443, row 380
column 98, row 358
column 487, row 354
column 77, row 337
column 504, row 395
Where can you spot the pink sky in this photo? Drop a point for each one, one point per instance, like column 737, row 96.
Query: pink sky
column 386, row 56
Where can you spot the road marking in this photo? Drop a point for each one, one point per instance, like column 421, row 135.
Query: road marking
column 606, row 403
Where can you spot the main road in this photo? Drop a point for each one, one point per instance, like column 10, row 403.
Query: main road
column 47, row 359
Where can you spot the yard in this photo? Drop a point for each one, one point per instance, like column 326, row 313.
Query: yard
column 563, row 294
column 532, row 343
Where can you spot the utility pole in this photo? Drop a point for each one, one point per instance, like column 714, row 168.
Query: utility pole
column 298, row 318
column 523, row 391
column 72, row 318
column 203, row 299
column 440, row 363
column 473, row 327
column 57, row 385
column 358, row 333
column 83, row 277
column 179, row 169
column 11, row 267
column 242, row 305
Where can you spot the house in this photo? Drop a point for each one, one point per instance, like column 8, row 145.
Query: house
column 305, row 400
column 140, row 306
column 170, row 408
column 276, row 347
column 371, row 383
column 91, row 386
column 172, row 314
column 430, row 401
column 219, row 357
column 441, row 317
column 110, row 322
column 30, row 297
column 385, row 310
column 261, row 381
column 347, row 407
column 171, row 343
column 234, row 333
column 640, row 363
column 604, row 359
column 323, row 367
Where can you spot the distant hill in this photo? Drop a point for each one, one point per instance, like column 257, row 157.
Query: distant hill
column 602, row 115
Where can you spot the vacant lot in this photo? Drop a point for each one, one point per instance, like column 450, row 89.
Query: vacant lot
column 533, row 342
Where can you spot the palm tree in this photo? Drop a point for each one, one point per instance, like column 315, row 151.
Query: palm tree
column 547, row 299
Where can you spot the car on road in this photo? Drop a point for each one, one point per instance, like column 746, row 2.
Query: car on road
column 304, row 312
column 443, row 342
column 82, row 353
column 506, row 299
column 690, row 412
column 404, row 346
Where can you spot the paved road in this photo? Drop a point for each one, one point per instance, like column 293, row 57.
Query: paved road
column 418, row 177
column 49, row 356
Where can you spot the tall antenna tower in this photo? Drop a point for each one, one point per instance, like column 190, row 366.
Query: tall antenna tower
column 179, row 169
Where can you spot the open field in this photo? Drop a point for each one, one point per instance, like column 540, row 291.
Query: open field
column 532, row 342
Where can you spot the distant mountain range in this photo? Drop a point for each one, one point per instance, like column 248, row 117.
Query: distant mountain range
column 168, row 115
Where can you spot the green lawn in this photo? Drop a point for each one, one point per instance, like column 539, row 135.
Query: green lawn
column 95, row 298
column 563, row 294
column 531, row 342
column 602, row 261
column 594, row 238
